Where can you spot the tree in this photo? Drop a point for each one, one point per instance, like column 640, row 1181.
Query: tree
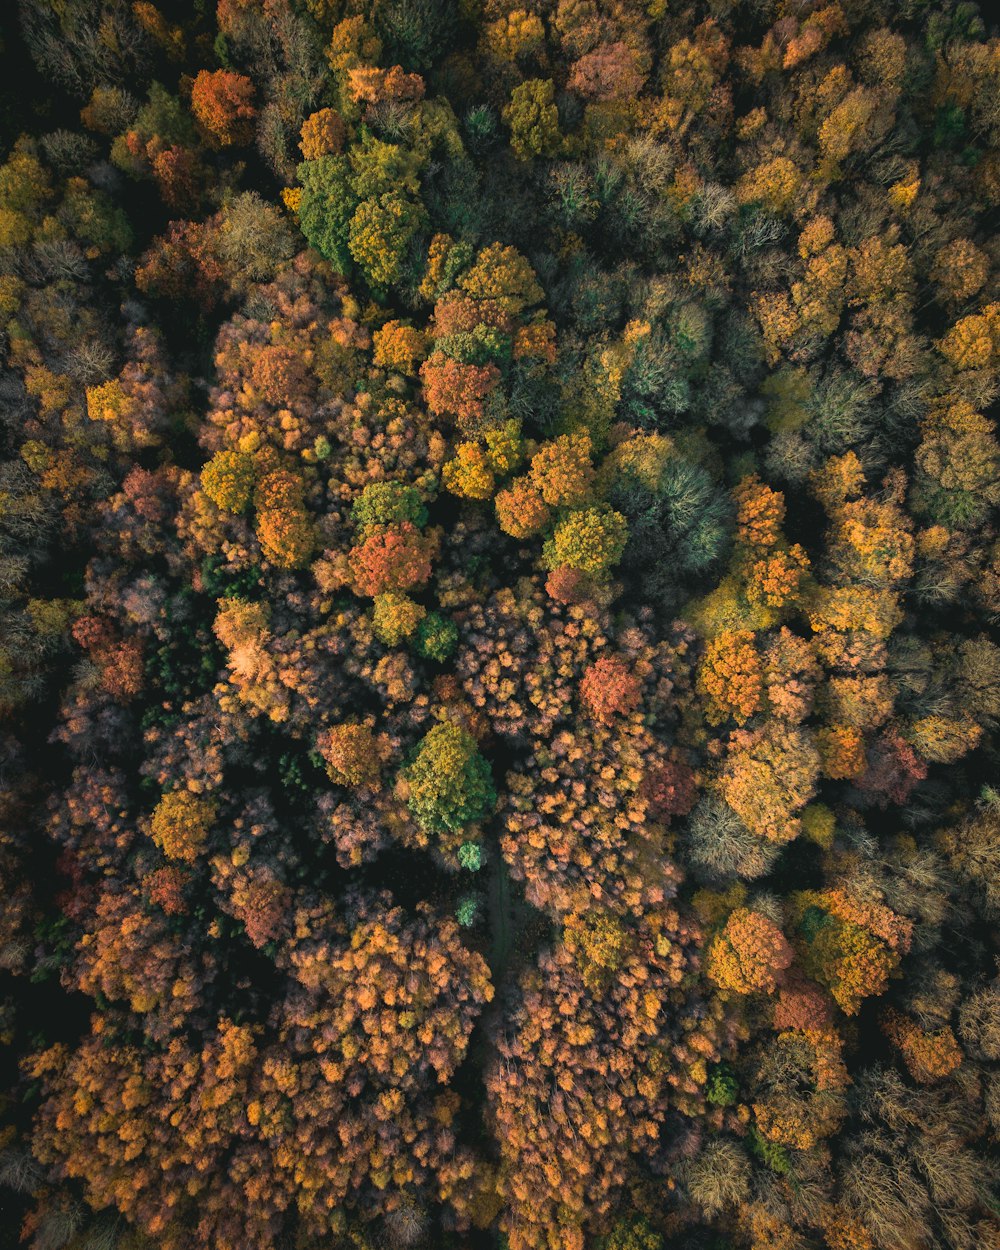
column 871, row 542
column 769, row 776
column 398, row 997
column 229, row 479
column 719, row 1176
column 376, row 86
column 501, row 275
column 842, row 751
column 960, row 269
column 774, row 580
column 750, row 955
column 611, row 72
column 760, row 513
column 929, row 1055
column 180, row 824
column 850, row 947
column 515, row 37
column 124, row 1107
column 399, row 347
column 774, row 183
column 520, row 509
column 391, row 558
column 958, row 462
column 533, row 119
column 448, row 785
column 222, row 102
column 254, row 240
column 608, row 687
column 561, row 470
column 323, row 134
column 469, row 474
column 436, row 637
column 589, row 539
column 800, row 1081
column 791, row 674
column 971, row 343
column 283, row 525
column 388, row 503
column 327, row 207
column 731, row 677
column 395, row 617
column 459, row 390
column 351, row 754
column 380, row 233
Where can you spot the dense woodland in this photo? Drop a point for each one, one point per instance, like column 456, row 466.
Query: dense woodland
column 500, row 582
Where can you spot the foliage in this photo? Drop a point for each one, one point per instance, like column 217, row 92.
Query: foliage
column 500, row 573
column 436, row 637
column 449, row 783
column 180, row 824
column 589, row 539
column 388, row 503
column 222, row 101
column 533, row 119
column 750, row 954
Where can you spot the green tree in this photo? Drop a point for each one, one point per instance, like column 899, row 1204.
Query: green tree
column 388, row 503
column 449, row 783
column 328, row 204
column 533, row 119
column 436, row 637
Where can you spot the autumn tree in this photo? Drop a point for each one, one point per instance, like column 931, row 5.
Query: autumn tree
column 180, row 824
column 222, row 101
column 769, row 776
column 749, row 955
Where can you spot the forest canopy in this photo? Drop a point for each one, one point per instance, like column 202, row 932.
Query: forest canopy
column 499, row 666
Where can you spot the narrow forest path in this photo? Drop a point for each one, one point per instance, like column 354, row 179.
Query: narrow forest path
column 500, row 913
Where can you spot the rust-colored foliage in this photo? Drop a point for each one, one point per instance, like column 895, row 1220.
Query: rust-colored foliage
column 749, row 955
column 351, row 754
column 457, row 390
column 394, row 558
column 223, row 102
column 930, row 1056
column 566, row 1131
column 609, row 688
